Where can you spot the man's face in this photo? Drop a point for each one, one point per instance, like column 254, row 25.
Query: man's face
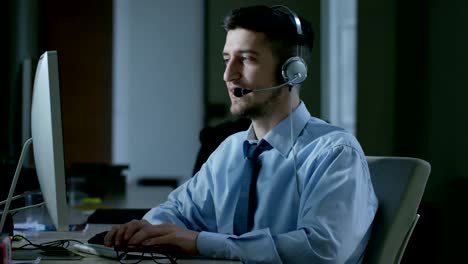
column 250, row 64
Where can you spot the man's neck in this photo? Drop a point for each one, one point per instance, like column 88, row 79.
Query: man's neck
column 264, row 124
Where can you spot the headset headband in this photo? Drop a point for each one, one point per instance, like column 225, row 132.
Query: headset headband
column 297, row 21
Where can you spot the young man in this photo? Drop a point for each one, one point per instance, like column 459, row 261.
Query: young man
column 312, row 201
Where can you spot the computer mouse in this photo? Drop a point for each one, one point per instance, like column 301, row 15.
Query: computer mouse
column 98, row 238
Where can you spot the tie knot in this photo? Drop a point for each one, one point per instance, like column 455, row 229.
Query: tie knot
column 253, row 150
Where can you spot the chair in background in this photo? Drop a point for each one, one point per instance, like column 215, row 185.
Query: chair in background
column 399, row 184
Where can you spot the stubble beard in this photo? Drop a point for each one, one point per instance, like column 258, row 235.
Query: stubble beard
column 256, row 110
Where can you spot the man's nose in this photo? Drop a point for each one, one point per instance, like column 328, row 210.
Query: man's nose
column 232, row 71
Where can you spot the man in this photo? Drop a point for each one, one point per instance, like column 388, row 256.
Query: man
column 313, row 201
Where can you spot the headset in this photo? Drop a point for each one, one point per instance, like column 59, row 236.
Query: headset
column 294, row 69
column 294, row 72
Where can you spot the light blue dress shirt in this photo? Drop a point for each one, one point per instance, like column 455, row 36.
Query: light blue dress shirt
column 321, row 215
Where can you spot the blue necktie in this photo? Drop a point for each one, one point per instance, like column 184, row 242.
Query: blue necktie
column 247, row 203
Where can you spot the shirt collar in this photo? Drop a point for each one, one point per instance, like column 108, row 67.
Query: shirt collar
column 280, row 136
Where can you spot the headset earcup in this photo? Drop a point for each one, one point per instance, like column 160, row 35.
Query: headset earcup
column 294, row 71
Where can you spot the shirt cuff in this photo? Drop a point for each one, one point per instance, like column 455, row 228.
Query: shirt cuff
column 212, row 245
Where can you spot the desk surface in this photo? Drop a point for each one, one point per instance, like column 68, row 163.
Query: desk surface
column 135, row 197
column 92, row 229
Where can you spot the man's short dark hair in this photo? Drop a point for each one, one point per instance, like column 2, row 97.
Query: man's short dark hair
column 279, row 27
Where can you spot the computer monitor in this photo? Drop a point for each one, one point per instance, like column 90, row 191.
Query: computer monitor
column 46, row 130
column 47, row 140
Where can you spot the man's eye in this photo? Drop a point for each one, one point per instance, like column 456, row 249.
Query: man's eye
column 225, row 60
column 248, row 59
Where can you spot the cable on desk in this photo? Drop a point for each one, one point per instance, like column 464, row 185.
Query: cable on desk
column 122, row 254
column 51, row 245
column 157, row 254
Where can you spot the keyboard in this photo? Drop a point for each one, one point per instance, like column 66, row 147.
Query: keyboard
column 94, row 249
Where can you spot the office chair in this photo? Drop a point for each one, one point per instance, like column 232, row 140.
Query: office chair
column 399, row 184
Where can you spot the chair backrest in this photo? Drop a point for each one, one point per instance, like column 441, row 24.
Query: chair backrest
column 399, row 184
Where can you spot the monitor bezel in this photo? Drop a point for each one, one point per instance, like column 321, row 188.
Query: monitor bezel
column 47, row 135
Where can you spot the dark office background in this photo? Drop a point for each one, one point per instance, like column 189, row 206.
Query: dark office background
column 412, row 88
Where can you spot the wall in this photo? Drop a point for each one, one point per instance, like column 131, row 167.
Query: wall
column 376, row 75
column 21, row 28
column 412, row 82
column 157, row 80
column 153, row 121
column 447, row 122
column 20, row 21
column 82, row 36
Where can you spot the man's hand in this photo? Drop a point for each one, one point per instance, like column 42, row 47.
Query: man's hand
column 141, row 232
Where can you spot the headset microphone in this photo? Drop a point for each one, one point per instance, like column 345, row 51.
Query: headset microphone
column 239, row 92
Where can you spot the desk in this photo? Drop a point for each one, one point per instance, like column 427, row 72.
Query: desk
column 92, row 229
column 136, row 197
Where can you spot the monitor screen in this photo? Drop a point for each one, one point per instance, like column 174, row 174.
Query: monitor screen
column 46, row 130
